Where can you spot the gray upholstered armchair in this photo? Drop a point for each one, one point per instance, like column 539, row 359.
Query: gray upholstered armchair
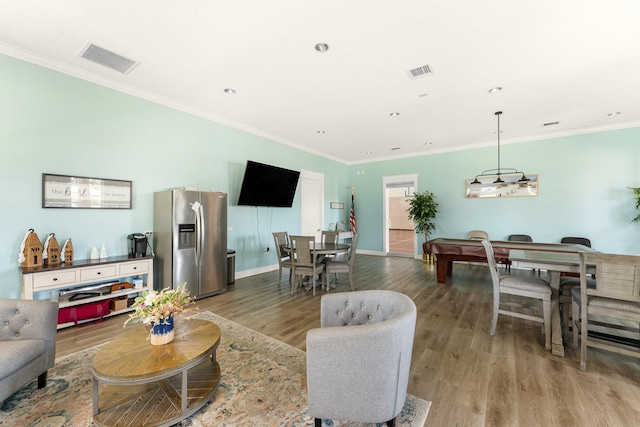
column 27, row 343
column 358, row 361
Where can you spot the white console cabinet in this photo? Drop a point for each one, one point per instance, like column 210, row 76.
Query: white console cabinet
column 83, row 273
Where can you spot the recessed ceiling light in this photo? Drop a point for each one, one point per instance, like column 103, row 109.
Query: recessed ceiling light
column 550, row 124
column 614, row 114
column 395, row 148
column 322, row 47
column 428, row 143
column 394, row 114
column 495, row 89
column 321, row 132
column 230, row 91
column 422, row 95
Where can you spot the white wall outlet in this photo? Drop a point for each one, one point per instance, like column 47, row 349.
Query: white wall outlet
column 149, row 233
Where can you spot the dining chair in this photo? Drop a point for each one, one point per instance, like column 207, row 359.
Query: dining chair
column 615, row 295
column 329, row 236
column 576, row 241
column 478, row 235
column 304, row 261
column 335, row 266
column 284, row 259
column 518, row 238
column 568, row 281
column 529, row 287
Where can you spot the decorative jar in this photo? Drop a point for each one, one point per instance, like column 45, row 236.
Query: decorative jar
column 162, row 332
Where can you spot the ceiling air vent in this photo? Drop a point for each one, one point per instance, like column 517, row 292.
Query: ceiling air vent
column 108, row 59
column 550, row 124
column 416, row 73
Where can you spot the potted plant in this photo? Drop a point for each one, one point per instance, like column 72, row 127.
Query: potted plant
column 157, row 309
column 636, row 193
column 422, row 211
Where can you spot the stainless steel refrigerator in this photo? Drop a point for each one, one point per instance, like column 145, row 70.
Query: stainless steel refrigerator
column 190, row 241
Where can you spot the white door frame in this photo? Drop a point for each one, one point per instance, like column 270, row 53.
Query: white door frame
column 386, row 180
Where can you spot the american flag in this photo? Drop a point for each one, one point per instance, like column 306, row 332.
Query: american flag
column 352, row 217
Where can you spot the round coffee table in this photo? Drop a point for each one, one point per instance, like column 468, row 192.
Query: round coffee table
column 148, row 385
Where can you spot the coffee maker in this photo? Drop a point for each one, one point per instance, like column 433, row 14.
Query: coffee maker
column 137, row 245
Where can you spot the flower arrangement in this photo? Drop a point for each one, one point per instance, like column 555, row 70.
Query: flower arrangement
column 157, row 307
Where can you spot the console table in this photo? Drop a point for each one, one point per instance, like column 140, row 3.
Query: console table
column 83, row 273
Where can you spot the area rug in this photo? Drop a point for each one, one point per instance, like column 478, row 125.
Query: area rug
column 263, row 384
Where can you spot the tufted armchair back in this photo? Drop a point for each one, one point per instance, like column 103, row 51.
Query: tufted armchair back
column 27, row 342
column 358, row 362
column 361, row 308
column 27, row 319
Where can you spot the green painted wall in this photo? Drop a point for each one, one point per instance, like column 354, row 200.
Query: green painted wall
column 583, row 191
column 53, row 123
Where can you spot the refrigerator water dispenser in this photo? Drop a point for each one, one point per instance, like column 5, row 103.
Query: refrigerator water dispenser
column 186, row 236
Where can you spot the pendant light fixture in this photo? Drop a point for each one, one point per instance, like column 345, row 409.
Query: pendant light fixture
column 499, row 172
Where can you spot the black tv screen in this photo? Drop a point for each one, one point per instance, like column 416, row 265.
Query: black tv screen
column 266, row 185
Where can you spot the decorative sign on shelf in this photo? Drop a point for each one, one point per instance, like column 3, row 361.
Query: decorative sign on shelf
column 63, row 191
column 30, row 250
column 51, row 251
column 510, row 188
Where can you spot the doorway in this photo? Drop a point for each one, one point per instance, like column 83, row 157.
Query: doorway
column 312, row 194
column 399, row 233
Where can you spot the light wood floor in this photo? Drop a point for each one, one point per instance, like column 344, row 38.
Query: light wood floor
column 472, row 379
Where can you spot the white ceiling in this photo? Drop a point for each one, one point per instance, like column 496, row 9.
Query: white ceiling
column 570, row 61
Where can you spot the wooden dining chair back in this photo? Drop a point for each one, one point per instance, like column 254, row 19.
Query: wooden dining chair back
column 529, row 287
column 346, row 266
column 576, row 241
column 568, row 281
column 615, row 294
column 330, row 236
column 519, row 238
column 281, row 239
column 478, row 235
column 305, row 261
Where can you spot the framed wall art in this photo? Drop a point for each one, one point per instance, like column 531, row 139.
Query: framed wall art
column 510, row 188
column 64, row 191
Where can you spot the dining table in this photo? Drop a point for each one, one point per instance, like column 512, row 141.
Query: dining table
column 325, row 248
column 555, row 263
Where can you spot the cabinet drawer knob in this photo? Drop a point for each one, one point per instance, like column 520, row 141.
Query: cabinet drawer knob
column 55, row 279
column 99, row 273
column 135, row 268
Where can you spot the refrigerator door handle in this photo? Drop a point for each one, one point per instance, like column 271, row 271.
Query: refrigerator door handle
column 196, row 207
column 197, row 248
column 201, row 234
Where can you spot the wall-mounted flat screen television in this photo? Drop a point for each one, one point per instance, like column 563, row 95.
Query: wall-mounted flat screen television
column 266, row 185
